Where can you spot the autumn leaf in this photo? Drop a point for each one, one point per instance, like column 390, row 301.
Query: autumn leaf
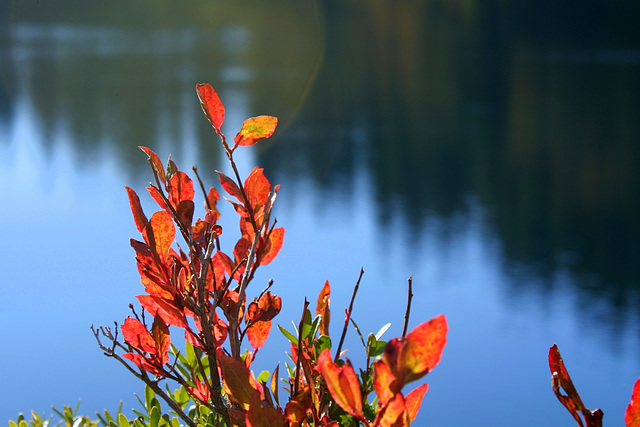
column 156, row 164
column 165, row 308
column 211, row 105
column 632, row 416
column 273, row 246
column 136, row 208
column 385, row 383
column 160, row 333
column 263, row 415
column 342, row 383
column 413, row 400
column 230, row 186
column 322, row 308
column 423, row 347
column 393, row 414
column 572, row 401
column 137, row 336
column 237, row 380
column 160, row 233
column 255, row 129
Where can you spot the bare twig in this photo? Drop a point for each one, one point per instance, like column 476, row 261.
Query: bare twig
column 348, row 312
column 406, row 314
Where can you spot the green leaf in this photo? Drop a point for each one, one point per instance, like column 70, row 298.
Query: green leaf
column 263, row 377
column 122, row 420
column 149, row 395
column 154, row 417
column 191, row 355
column 314, row 327
column 322, row 343
column 307, row 324
column 288, row 335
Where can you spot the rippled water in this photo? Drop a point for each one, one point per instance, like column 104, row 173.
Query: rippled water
column 495, row 163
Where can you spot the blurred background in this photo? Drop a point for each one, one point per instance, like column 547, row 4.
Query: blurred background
column 491, row 150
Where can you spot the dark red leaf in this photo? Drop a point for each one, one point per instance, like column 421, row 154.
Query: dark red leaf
column 156, row 164
column 230, row 187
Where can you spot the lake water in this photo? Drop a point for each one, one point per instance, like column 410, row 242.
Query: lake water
column 492, row 153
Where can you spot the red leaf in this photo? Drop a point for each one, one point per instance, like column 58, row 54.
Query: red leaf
column 413, row 400
column 237, row 379
column 342, row 383
column 230, row 186
column 632, row 416
column 211, row 105
column 255, row 129
column 165, row 308
column 212, row 200
column 143, row 363
column 138, row 215
column 201, row 391
column 273, row 246
column 137, row 336
column 322, row 308
column 180, row 187
column 156, row 164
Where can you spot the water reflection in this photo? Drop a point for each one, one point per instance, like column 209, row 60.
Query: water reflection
column 468, row 121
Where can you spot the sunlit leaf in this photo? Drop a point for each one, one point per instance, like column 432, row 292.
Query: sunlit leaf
column 255, row 129
column 165, row 308
column 322, row 308
column 632, row 416
column 160, row 233
column 413, row 400
column 342, row 383
column 393, row 414
column 136, row 208
column 143, row 363
column 257, row 333
column 230, row 187
column 156, row 164
column 211, row 105
column 385, row 383
column 273, row 246
column 138, row 336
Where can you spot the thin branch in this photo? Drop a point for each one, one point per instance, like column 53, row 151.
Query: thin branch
column 406, row 314
column 348, row 312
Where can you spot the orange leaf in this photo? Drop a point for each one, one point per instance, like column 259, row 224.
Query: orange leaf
column 322, row 308
column 211, row 105
column 237, row 379
column 212, row 199
column 263, row 415
column 180, row 187
column 160, row 333
column 137, row 336
column 273, row 246
column 159, row 233
column 143, row 363
column 342, row 383
column 384, row 381
column 421, row 349
column 138, row 215
column 258, row 332
column 257, row 188
column 255, row 129
column 632, row 416
column 413, row 400
column 394, row 414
